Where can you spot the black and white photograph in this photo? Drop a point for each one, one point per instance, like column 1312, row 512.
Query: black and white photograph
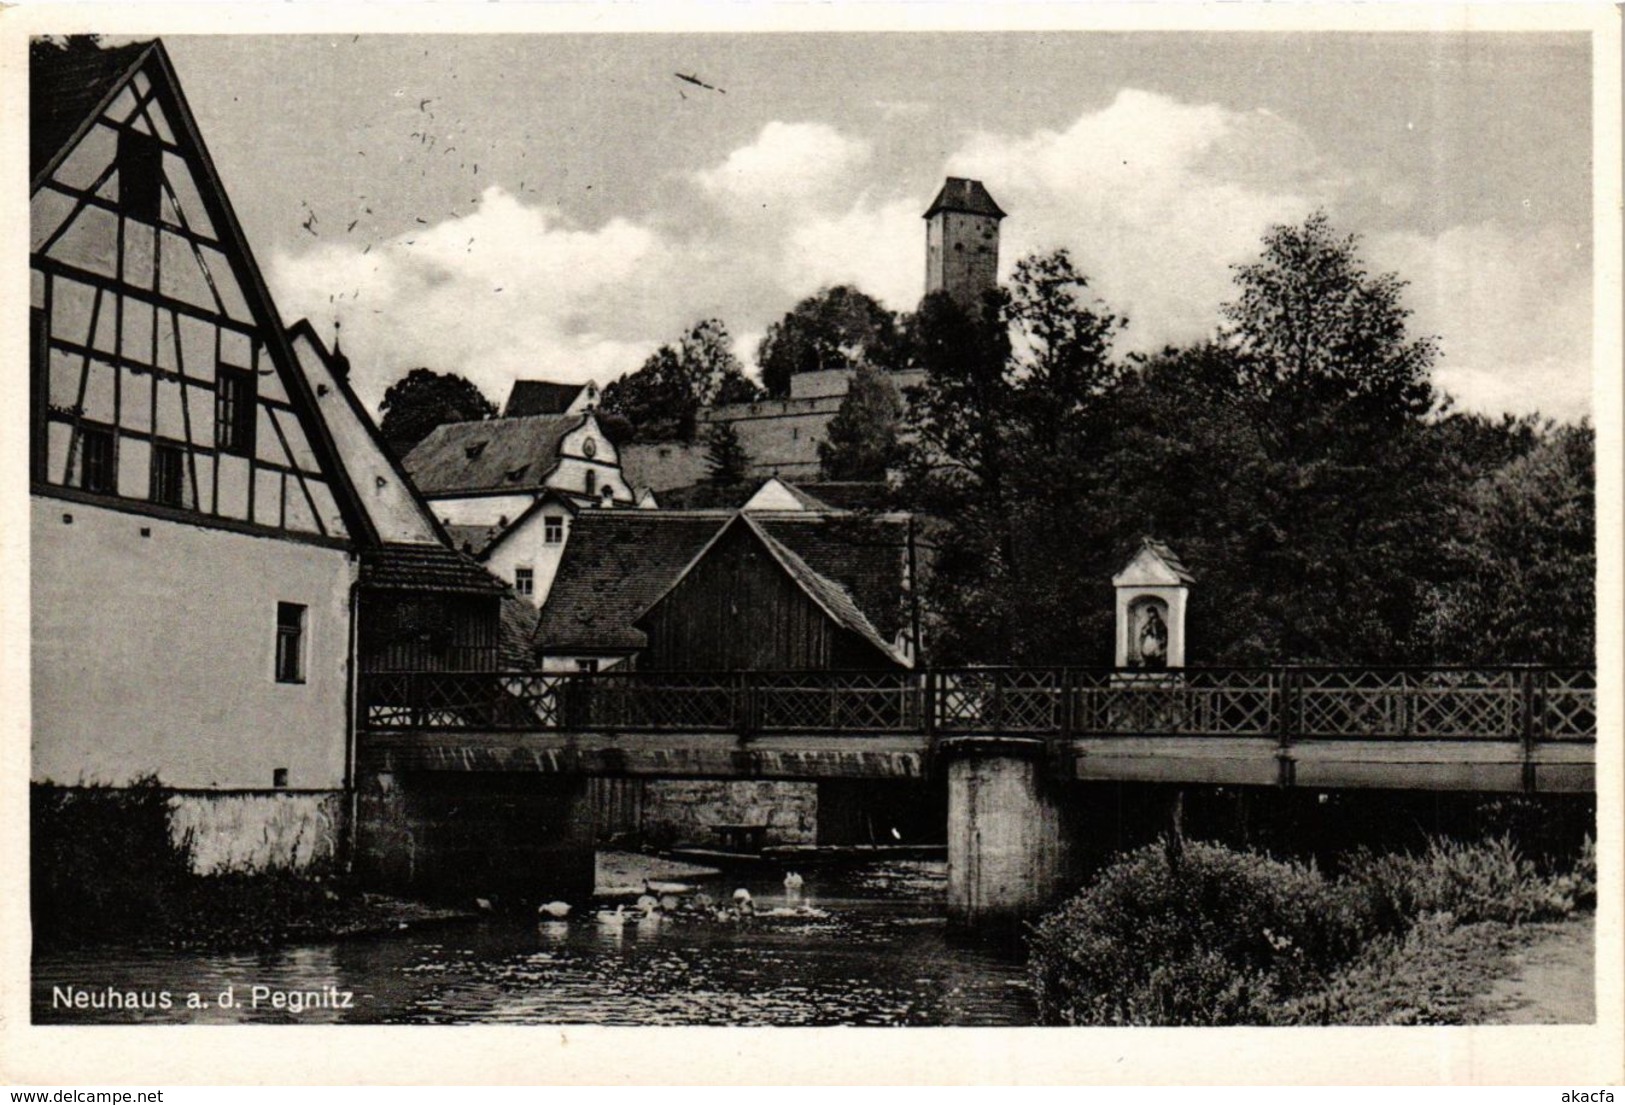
column 905, row 525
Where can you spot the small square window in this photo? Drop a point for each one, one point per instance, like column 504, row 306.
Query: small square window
column 96, row 471
column 234, row 410
column 553, row 531
column 290, row 642
column 140, row 174
column 524, row 580
column 587, row 665
column 168, row 475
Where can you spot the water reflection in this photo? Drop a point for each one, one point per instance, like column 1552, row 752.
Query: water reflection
column 861, row 947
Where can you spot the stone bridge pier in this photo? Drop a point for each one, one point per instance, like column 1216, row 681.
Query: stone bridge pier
column 458, row 835
column 1013, row 838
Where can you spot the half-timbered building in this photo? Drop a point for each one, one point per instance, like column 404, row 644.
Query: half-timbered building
column 200, row 540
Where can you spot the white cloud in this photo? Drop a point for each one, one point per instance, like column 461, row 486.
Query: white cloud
column 1155, row 198
column 508, row 290
column 1511, row 308
column 787, row 163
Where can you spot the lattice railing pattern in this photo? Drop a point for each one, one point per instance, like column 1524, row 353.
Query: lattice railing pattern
column 1205, row 702
column 1286, row 703
column 1568, row 704
column 851, row 702
column 999, row 700
column 1437, row 704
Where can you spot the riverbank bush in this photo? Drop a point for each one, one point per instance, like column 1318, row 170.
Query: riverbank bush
column 1200, row 934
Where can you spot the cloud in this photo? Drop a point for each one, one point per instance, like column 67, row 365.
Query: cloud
column 1155, row 197
column 1511, row 308
column 788, row 162
column 506, row 291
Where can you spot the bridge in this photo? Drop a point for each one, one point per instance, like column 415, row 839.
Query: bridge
column 1008, row 740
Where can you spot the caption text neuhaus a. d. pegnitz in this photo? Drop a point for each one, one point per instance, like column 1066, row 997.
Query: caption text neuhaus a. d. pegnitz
column 257, row 997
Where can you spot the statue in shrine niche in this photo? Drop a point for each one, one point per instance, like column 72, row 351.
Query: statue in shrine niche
column 1153, row 640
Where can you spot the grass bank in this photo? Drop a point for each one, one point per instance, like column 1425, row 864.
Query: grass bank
column 1186, row 933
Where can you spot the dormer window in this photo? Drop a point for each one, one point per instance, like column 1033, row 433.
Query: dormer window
column 473, row 451
column 514, row 475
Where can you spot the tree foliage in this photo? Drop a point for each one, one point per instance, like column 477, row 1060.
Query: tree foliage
column 658, row 402
column 840, row 327
column 862, row 440
column 725, row 456
column 422, row 399
column 1332, row 507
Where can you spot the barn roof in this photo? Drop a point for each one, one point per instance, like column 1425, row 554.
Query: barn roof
column 959, row 194
column 69, row 80
column 529, row 397
column 494, row 454
column 614, row 565
column 617, row 564
column 426, row 568
column 515, row 629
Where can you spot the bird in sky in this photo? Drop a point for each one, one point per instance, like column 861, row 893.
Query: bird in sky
column 692, row 79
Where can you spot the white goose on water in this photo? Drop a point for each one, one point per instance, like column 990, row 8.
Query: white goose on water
column 612, row 919
column 554, row 909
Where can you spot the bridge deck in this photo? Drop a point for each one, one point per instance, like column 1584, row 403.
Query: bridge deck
column 1491, row 729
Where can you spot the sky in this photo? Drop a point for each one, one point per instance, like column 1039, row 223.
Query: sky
column 557, row 206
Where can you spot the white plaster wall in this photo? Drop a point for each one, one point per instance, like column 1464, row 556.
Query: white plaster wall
column 155, row 655
column 575, row 441
column 257, row 832
column 571, row 476
column 571, row 663
column 526, row 546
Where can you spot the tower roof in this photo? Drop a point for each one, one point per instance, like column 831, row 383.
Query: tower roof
column 959, row 194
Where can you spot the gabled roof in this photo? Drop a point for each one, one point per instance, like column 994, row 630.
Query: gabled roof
column 496, row 454
column 615, row 564
column 549, row 495
column 847, row 494
column 70, row 82
column 1151, row 556
column 530, row 397
column 959, row 194
column 359, row 444
column 829, row 595
column 69, row 87
column 866, row 556
column 473, row 540
column 426, row 568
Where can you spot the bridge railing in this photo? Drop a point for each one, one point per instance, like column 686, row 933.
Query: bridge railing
column 1286, row 703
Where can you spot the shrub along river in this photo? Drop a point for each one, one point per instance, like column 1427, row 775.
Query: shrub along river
column 860, row 944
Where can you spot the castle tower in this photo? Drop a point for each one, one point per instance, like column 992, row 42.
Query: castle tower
column 962, row 241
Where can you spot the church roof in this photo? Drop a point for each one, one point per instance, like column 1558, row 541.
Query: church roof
column 493, row 454
column 540, row 397
column 959, row 194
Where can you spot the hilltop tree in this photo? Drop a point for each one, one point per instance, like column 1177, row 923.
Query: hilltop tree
column 422, row 399
column 840, row 327
column 725, row 455
column 658, row 402
column 861, row 442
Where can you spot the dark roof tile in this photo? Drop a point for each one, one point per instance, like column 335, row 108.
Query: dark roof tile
column 426, row 568
column 67, row 81
column 959, row 194
column 530, row 397
column 494, row 454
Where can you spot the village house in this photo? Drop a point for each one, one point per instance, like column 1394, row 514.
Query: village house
column 213, row 518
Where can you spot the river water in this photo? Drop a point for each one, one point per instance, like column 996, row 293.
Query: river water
column 872, row 949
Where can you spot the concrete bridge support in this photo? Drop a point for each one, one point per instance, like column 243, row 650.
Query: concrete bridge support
column 1012, row 844
column 452, row 835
